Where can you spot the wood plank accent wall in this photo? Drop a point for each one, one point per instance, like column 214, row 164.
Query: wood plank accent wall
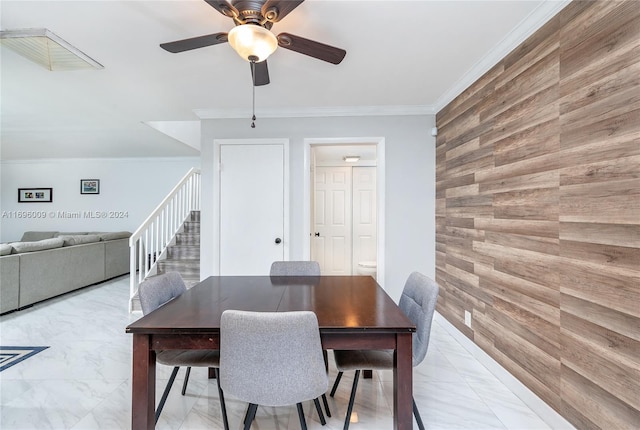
column 538, row 213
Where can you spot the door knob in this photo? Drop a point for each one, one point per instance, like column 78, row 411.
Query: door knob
column 278, row 240
column 317, row 234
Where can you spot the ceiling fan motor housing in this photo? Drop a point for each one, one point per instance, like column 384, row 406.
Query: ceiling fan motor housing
column 250, row 12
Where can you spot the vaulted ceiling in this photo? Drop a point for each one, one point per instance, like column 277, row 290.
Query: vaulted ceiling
column 402, row 57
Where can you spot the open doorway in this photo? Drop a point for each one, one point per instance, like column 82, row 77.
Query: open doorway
column 344, row 206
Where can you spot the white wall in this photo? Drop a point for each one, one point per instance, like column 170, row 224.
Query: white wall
column 410, row 182
column 132, row 187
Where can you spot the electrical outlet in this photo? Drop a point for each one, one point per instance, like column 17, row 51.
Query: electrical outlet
column 467, row 318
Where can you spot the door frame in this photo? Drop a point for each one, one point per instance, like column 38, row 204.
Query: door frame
column 216, row 193
column 379, row 142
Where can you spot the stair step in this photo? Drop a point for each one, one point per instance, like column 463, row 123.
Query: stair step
column 176, row 252
column 195, row 216
column 186, row 232
column 187, row 235
column 181, row 262
column 186, row 268
column 188, row 239
column 192, row 227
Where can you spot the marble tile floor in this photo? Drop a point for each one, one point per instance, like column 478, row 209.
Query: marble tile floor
column 83, row 380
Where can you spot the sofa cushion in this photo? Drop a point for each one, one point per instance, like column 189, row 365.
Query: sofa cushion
column 113, row 235
column 21, row 247
column 5, row 249
column 77, row 239
column 32, row 236
column 70, row 233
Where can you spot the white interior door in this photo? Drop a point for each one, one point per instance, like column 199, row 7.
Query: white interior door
column 332, row 220
column 252, row 208
column 364, row 215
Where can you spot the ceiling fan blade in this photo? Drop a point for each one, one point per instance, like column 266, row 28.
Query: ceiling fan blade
column 194, row 42
column 311, row 48
column 262, row 73
column 275, row 10
column 225, row 8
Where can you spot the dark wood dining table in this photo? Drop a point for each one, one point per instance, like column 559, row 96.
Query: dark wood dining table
column 353, row 312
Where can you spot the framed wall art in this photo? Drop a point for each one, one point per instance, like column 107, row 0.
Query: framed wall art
column 35, row 195
column 89, row 186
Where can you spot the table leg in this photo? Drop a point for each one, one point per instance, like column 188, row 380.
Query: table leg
column 403, row 383
column 143, row 383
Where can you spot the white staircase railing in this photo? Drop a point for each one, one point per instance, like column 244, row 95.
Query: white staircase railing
column 150, row 241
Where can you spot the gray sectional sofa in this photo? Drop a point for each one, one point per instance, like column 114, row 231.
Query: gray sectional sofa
column 45, row 264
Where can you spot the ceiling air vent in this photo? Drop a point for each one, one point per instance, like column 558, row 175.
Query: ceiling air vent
column 45, row 48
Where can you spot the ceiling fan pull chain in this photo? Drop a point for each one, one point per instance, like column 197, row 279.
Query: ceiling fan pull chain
column 253, row 59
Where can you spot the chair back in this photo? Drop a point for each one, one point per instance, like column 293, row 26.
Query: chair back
column 157, row 290
column 295, row 268
column 271, row 358
column 418, row 302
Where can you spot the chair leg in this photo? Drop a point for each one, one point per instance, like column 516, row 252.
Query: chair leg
column 335, row 384
column 417, row 414
column 246, row 415
column 326, row 405
column 186, row 381
column 223, row 407
column 163, row 399
column 325, row 355
column 351, row 399
column 303, row 422
column 251, row 415
column 319, row 409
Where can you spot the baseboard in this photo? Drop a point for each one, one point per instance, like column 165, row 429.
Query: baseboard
column 546, row 412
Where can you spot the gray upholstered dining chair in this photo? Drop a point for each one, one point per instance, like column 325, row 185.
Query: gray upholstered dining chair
column 154, row 292
column 272, row 359
column 295, row 268
column 418, row 302
column 301, row 268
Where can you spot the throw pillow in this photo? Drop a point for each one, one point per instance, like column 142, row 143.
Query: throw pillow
column 32, row 236
column 40, row 245
column 114, row 235
column 78, row 239
column 5, row 249
column 70, row 233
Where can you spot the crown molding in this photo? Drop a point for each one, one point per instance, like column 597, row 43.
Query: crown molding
column 529, row 25
column 315, row 112
column 137, row 160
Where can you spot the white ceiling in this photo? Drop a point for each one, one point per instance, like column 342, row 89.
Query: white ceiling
column 402, row 57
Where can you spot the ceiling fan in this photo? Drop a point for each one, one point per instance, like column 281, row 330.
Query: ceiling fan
column 252, row 38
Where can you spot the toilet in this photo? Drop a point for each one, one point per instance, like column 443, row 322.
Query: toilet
column 367, row 268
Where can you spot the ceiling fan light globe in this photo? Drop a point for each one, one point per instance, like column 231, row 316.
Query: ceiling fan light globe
column 250, row 40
